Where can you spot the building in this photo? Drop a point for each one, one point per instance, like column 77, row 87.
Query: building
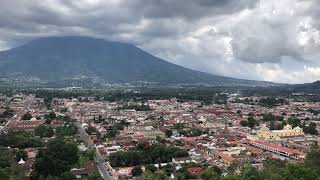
column 266, row 134
column 278, row 149
column 21, row 125
column 181, row 160
column 194, row 170
column 122, row 172
column 86, row 170
column 225, row 158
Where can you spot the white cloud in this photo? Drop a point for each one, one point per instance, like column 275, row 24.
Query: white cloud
column 274, row 40
column 4, row 46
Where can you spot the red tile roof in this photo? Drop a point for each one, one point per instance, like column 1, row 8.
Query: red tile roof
column 194, row 170
column 280, row 148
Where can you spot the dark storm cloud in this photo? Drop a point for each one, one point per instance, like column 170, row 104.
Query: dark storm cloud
column 191, row 9
column 210, row 35
column 105, row 16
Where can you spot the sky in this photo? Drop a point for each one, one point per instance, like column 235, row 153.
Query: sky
column 271, row 40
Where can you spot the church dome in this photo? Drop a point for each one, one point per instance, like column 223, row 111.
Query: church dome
column 287, row 127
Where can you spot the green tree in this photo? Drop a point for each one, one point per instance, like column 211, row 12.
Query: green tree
column 310, row 129
column 57, row 158
column 168, row 132
column 244, row 123
column 250, row 173
column 273, row 169
column 41, row 177
column 294, row 121
column 8, row 113
column 51, row 178
column 4, row 175
column 276, row 126
column 112, row 133
column 145, row 154
column 231, row 178
column 68, row 176
column 67, row 130
column 5, row 157
column 92, row 130
column 209, row 174
column 168, row 169
column 50, row 116
column 268, row 117
column 26, row 116
column 19, row 140
column 48, row 121
column 44, row 131
column 136, row 171
column 94, row 176
column 251, row 122
column 21, row 154
column 161, row 176
column 151, row 167
column 148, row 175
column 312, row 160
column 299, row 171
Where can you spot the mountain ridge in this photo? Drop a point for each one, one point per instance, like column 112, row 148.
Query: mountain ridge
column 53, row 59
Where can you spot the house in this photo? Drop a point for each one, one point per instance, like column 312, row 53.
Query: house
column 56, row 123
column 278, row 149
column 194, row 170
column 84, row 171
column 225, row 158
column 23, row 125
column 126, row 171
column 31, row 152
column 181, row 160
column 112, row 149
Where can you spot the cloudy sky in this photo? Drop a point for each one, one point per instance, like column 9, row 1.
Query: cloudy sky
column 273, row 40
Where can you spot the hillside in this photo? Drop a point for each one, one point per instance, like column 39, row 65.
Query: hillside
column 56, row 59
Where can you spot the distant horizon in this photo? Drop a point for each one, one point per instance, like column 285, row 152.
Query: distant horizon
column 98, row 38
column 276, row 41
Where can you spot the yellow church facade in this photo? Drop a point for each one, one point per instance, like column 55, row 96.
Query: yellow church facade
column 266, row 134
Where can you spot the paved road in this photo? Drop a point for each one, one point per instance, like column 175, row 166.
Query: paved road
column 98, row 158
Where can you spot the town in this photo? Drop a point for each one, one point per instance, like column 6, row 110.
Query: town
column 85, row 137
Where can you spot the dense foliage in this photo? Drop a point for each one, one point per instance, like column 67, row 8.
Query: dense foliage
column 8, row 166
column 136, row 107
column 26, row 116
column 146, row 155
column 20, row 140
column 66, row 130
column 271, row 101
column 44, row 131
column 56, row 158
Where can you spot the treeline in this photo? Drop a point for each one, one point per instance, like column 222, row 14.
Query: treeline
column 282, row 170
column 56, row 160
column 273, row 169
column 205, row 95
column 184, row 130
column 146, row 154
column 136, row 107
column 20, row 140
column 271, row 101
column 9, row 168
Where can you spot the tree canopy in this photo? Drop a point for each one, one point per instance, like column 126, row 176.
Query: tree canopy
column 149, row 154
column 44, row 131
column 57, row 158
column 26, row 116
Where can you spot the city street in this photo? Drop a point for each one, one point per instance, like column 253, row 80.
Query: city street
column 98, row 158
